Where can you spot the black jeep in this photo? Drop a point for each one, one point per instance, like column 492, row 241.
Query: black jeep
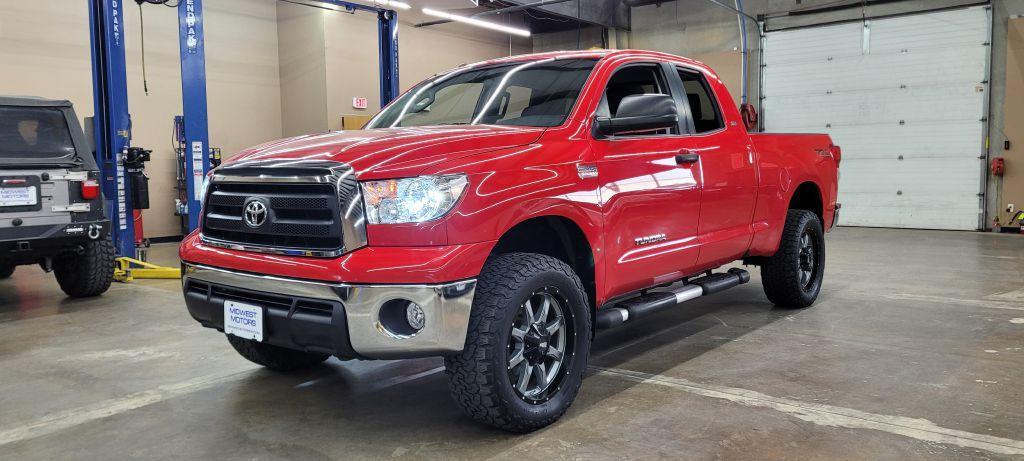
column 51, row 206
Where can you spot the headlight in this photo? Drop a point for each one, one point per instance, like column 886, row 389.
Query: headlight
column 412, row 200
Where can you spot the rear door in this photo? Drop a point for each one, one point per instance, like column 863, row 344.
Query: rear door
column 650, row 202
column 726, row 167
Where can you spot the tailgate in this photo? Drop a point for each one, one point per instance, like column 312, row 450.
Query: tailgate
column 37, row 197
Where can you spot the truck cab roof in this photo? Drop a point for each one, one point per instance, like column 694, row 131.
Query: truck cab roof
column 595, row 54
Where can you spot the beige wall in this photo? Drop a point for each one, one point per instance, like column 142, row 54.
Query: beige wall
column 44, row 46
column 300, row 39
column 329, row 57
column 1013, row 181
column 704, row 34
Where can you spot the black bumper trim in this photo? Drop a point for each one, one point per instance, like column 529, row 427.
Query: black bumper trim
column 305, row 324
column 69, row 231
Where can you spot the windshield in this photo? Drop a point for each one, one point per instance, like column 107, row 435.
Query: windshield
column 34, row 132
column 525, row 93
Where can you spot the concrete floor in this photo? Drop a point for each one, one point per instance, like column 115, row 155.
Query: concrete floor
column 915, row 350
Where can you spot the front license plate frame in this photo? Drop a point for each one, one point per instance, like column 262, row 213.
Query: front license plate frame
column 243, row 320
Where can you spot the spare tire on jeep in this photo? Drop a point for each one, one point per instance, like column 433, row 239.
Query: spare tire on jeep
column 86, row 273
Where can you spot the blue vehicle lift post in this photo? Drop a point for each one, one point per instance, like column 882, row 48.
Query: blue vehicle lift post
column 112, row 121
column 387, row 32
column 387, row 36
column 193, row 95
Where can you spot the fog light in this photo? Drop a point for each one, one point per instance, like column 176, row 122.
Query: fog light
column 402, row 318
column 415, row 316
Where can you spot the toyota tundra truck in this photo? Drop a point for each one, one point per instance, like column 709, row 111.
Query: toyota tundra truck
column 501, row 214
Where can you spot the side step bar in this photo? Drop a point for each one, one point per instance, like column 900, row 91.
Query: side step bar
column 651, row 302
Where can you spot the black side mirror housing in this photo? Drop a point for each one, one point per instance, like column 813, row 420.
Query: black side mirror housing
column 640, row 112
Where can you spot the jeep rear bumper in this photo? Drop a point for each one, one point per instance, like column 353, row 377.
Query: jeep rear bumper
column 29, row 244
column 346, row 320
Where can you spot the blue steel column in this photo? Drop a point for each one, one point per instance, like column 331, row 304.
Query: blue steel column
column 111, row 120
column 387, row 33
column 193, row 95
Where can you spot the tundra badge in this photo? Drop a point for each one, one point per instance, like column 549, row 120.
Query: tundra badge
column 648, row 239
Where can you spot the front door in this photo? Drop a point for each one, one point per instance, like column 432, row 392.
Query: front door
column 650, row 199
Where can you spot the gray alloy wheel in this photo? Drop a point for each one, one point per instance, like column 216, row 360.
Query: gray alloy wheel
column 792, row 277
column 526, row 346
column 537, row 345
column 808, row 259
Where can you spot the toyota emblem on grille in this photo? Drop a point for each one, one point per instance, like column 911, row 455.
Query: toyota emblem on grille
column 255, row 213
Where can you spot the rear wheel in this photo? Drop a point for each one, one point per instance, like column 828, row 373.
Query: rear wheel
column 527, row 345
column 274, row 357
column 792, row 276
column 89, row 273
column 6, row 271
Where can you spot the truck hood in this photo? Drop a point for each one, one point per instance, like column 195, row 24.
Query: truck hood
column 390, row 152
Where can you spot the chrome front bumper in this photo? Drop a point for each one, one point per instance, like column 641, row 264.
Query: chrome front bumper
column 446, row 308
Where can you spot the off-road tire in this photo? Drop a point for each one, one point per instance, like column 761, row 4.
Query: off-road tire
column 780, row 274
column 274, row 357
column 89, row 273
column 478, row 377
column 6, row 271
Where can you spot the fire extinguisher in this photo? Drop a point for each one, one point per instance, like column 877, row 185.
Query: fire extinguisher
column 997, row 166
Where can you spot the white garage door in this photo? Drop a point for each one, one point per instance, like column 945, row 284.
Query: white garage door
column 905, row 98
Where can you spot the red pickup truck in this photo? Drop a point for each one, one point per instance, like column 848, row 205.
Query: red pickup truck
column 501, row 213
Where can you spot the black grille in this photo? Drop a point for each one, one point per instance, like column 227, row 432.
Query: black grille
column 300, row 216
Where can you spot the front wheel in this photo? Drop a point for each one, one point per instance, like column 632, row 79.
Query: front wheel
column 6, row 271
column 527, row 345
column 792, row 276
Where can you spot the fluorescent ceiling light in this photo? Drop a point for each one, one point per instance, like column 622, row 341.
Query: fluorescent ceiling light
column 476, row 22
column 392, row 4
column 349, row 6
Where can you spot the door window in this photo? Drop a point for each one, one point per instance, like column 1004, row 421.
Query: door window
column 707, row 116
column 633, row 80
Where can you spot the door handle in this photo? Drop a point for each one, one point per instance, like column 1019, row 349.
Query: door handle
column 686, row 159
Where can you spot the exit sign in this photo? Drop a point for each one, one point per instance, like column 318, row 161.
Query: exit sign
column 359, row 103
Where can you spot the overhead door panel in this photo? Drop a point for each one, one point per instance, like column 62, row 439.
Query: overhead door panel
column 904, row 97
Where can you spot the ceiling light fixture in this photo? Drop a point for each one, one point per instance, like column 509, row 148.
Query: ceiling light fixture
column 392, row 4
column 476, row 22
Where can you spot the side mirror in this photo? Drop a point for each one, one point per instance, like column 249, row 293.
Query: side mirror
column 640, row 112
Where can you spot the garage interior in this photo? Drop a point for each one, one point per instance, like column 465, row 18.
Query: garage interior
column 914, row 349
